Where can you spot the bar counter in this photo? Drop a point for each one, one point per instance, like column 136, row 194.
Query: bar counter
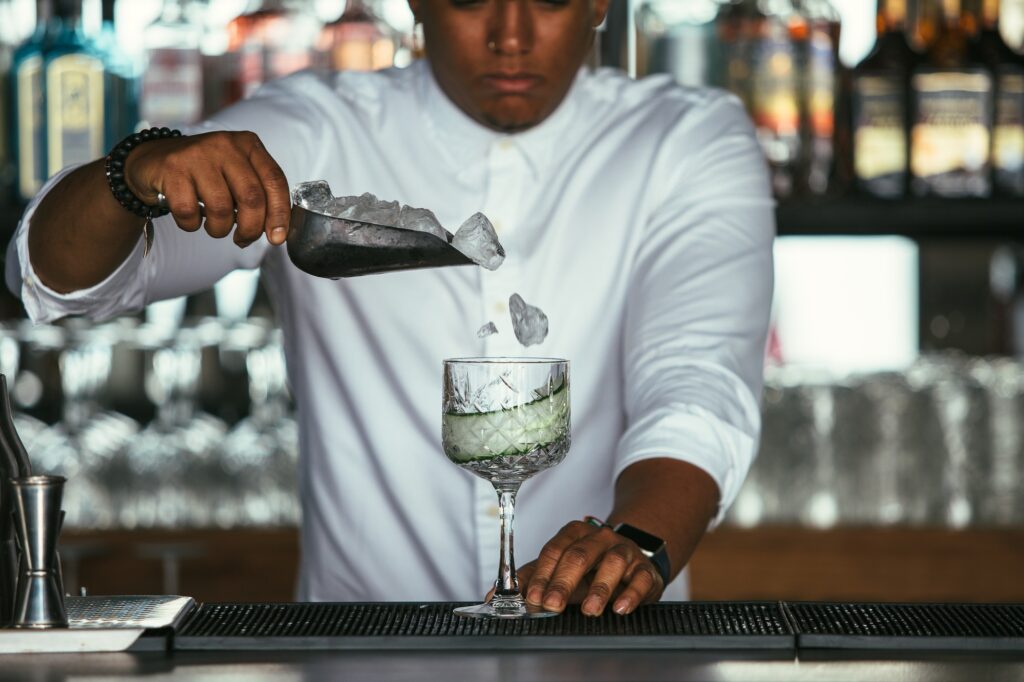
column 539, row 666
column 667, row 641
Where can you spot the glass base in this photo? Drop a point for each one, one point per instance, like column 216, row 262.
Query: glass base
column 504, row 608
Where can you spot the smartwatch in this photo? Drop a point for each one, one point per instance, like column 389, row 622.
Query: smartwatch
column 651, row 546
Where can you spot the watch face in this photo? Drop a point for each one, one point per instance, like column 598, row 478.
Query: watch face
column 649, row 544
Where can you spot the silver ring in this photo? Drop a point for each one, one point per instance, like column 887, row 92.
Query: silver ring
column 492, row 45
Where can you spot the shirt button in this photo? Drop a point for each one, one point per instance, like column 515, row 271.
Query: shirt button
column 500, row 307
column 498, row 226
column 493, row 511
column 505, row 145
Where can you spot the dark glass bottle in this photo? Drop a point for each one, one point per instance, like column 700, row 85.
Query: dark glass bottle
column 7, row 42
column 1007, row 68
column 952, row 97
column 28, row 114
column 880, row 107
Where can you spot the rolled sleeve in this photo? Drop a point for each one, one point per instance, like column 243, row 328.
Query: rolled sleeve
column 122, row 290
column 699, row 302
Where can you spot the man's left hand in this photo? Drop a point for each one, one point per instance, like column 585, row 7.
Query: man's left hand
column 592, row 566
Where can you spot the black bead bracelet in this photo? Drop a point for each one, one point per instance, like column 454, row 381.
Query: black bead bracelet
column 115, row 171
column 119, row 188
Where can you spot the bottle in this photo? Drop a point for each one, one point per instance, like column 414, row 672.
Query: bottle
column 952, row 97
column 1007, row 68
column 735, row 27
column 278, row 38
column 880, row 107
column 780, row 34
column 122, row 90
column 819, row 97
column 358, row 40
column 28, row 142
column 7, row 41
column 172, row 86
column 679, row 39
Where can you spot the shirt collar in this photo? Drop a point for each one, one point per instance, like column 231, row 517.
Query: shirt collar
column 466, row 143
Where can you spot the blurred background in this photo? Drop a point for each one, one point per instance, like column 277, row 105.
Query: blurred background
column 892, row 458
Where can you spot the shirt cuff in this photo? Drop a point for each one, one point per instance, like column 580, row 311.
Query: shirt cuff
column 690, row 433
column 119, row 292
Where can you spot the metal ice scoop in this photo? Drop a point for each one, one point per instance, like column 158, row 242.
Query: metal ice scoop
column 325, row 246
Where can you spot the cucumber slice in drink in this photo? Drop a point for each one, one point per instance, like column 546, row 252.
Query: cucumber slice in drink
column 514, row 431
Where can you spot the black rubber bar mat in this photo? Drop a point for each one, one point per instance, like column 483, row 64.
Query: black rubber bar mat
column 924, row 627
column 399, row 625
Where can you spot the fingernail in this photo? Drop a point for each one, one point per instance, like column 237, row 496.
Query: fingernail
column 553, row 602
column 622, row 607
column 534, row 595
column 278, row 233
column 592, row 606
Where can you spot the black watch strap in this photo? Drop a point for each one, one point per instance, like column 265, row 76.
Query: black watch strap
column 652, row 546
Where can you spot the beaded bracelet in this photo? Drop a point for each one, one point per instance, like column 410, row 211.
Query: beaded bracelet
column 115, row 163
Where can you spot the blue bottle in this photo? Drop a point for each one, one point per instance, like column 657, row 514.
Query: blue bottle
column 28, row 117
column 74, row 82
column 122, row 83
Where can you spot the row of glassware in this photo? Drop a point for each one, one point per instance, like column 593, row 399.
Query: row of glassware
column 181, row 467
column 940, row 444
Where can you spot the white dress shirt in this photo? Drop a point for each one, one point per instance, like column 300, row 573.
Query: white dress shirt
column 638, row 216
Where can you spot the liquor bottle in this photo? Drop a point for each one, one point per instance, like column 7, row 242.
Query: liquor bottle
column 172, row 86
column 74, row 82
column 819, row 97
column 358, row 40
column 28, row 115
column 1007, row 68
column 780, row 34
column 121, row 82
column 679, row 38
column 7, row 41
column 952, row 93
column 278, row 38
column 880, row 107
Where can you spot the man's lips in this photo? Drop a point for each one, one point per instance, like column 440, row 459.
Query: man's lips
column 511, row 83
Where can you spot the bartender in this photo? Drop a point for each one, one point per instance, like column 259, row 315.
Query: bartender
column 637, row 214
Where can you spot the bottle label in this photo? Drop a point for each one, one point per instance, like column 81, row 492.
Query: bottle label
column 172, row 87
column 1008, row 134
column 879, row 135
column 951, row 136
column 31, row 162
column 74, row 109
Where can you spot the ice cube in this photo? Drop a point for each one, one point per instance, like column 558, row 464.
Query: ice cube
column 422, row 220
column 314, row 196
column 369, row 209
column 478, row 241
column 487, row 330
column 529, row 322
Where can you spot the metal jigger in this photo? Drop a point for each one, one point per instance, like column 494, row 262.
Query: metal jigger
column 40, row 598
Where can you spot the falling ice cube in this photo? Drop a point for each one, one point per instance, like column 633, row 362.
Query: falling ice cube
column 478, row 241
column 487, row 330
column 422, row 220
column 529, row 322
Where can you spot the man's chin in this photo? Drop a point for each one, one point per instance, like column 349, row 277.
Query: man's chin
column 512, row 120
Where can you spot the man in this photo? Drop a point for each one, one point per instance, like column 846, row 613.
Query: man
column 637, row 215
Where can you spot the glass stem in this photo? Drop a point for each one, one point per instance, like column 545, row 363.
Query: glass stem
column 507, row 585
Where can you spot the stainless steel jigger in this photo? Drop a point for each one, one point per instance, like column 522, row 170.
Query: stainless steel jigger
column 40, row 597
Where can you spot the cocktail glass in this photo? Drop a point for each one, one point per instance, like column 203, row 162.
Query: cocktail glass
column 505, row 419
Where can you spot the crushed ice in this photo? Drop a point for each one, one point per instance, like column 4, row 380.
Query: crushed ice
column 529, row 322
column 487, row 330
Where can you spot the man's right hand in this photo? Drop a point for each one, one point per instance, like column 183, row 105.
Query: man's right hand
column 227, row 172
